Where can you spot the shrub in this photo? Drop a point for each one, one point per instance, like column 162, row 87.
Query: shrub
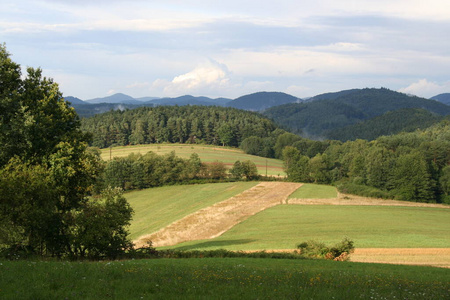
column 315, row 249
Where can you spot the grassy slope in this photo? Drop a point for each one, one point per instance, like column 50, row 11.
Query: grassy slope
column 284, row 226
column 207, row 154
column 215, row 278
column 314, row 191
column 158, row 207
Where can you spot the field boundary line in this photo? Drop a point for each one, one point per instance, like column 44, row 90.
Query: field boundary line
column 345, row 199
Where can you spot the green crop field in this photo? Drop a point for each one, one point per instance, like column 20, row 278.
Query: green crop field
column 158, row 207
column 207, row 154
column 219, row 278
column 314, row 191
column 285, row 226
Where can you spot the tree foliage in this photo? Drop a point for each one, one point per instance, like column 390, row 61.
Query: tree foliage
column 408, row 166
column 176, row 124
column 46, row 172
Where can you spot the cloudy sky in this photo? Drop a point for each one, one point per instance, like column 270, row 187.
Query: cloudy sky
column 94, row 48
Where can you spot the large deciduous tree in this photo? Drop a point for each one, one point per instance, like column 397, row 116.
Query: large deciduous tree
column 46, row 171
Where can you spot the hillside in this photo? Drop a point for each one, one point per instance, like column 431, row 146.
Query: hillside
column 444, row 98
column 392, row 122
column 116, row 98
column 262, row 101
column 315, row 119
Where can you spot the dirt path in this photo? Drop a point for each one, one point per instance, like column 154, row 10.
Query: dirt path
column 344, row 199
column 212, row 221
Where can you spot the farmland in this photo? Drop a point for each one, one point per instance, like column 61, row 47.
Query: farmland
column 376, row 226
column 207, row 154
column 158, row 207
column 368, row 226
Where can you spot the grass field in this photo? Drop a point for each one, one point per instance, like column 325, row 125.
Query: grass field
column 284, row 226
column 158, row 207
column 215, row 278
column 314, row 191
column 207, row 154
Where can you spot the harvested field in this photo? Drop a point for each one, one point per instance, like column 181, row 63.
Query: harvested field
column 212, row 221
column 436, row 257
column 344, row 199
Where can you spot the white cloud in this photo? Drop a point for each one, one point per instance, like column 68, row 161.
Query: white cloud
column 425, row 88
column 209, row 77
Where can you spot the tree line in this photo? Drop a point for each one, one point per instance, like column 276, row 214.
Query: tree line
column 137, row 171
column 176, row 124
column 408, row 166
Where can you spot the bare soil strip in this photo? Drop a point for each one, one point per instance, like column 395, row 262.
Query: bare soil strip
column 212, row 221
column 344, row 199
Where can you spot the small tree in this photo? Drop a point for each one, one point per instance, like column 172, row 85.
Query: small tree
column 237, row 171
column 249, row 170
column 100, row 228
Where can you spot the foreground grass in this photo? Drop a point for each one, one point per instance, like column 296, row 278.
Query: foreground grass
column 158, row 207
column 314, row 191
column 284, row 226
column 215, row 278
column 206, row 153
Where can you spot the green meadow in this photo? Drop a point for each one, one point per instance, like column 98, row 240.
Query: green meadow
column 207, row 153
column 285, row 226
column 158, row 207
column 219, row 278
column 314, row 191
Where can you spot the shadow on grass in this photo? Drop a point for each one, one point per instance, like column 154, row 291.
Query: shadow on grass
column 213, row 244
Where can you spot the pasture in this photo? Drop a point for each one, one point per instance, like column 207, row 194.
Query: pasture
column 219, row 278
column 314, row 191
column 207, row 153
column 284, row 226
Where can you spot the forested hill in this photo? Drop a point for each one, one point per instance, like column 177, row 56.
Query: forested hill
column 177, row 124
column 444, row 98
column 317, row 118
column 392, row 122
column 262, row 100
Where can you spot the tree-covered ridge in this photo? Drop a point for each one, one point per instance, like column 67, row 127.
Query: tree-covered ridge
column 392, row 122
column 262, row 100
column 408, row 166
column 317, row 118
column 176, row 124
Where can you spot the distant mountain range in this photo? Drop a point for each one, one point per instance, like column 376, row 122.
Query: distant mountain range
column 444, row 98
column 344, row 115
column 321, row 118
column 253, row 102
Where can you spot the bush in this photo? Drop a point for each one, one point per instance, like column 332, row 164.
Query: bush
column 338, row 252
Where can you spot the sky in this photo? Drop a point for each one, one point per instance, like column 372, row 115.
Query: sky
column 95, row 48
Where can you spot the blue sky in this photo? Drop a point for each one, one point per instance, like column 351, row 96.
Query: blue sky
column 230, row 48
